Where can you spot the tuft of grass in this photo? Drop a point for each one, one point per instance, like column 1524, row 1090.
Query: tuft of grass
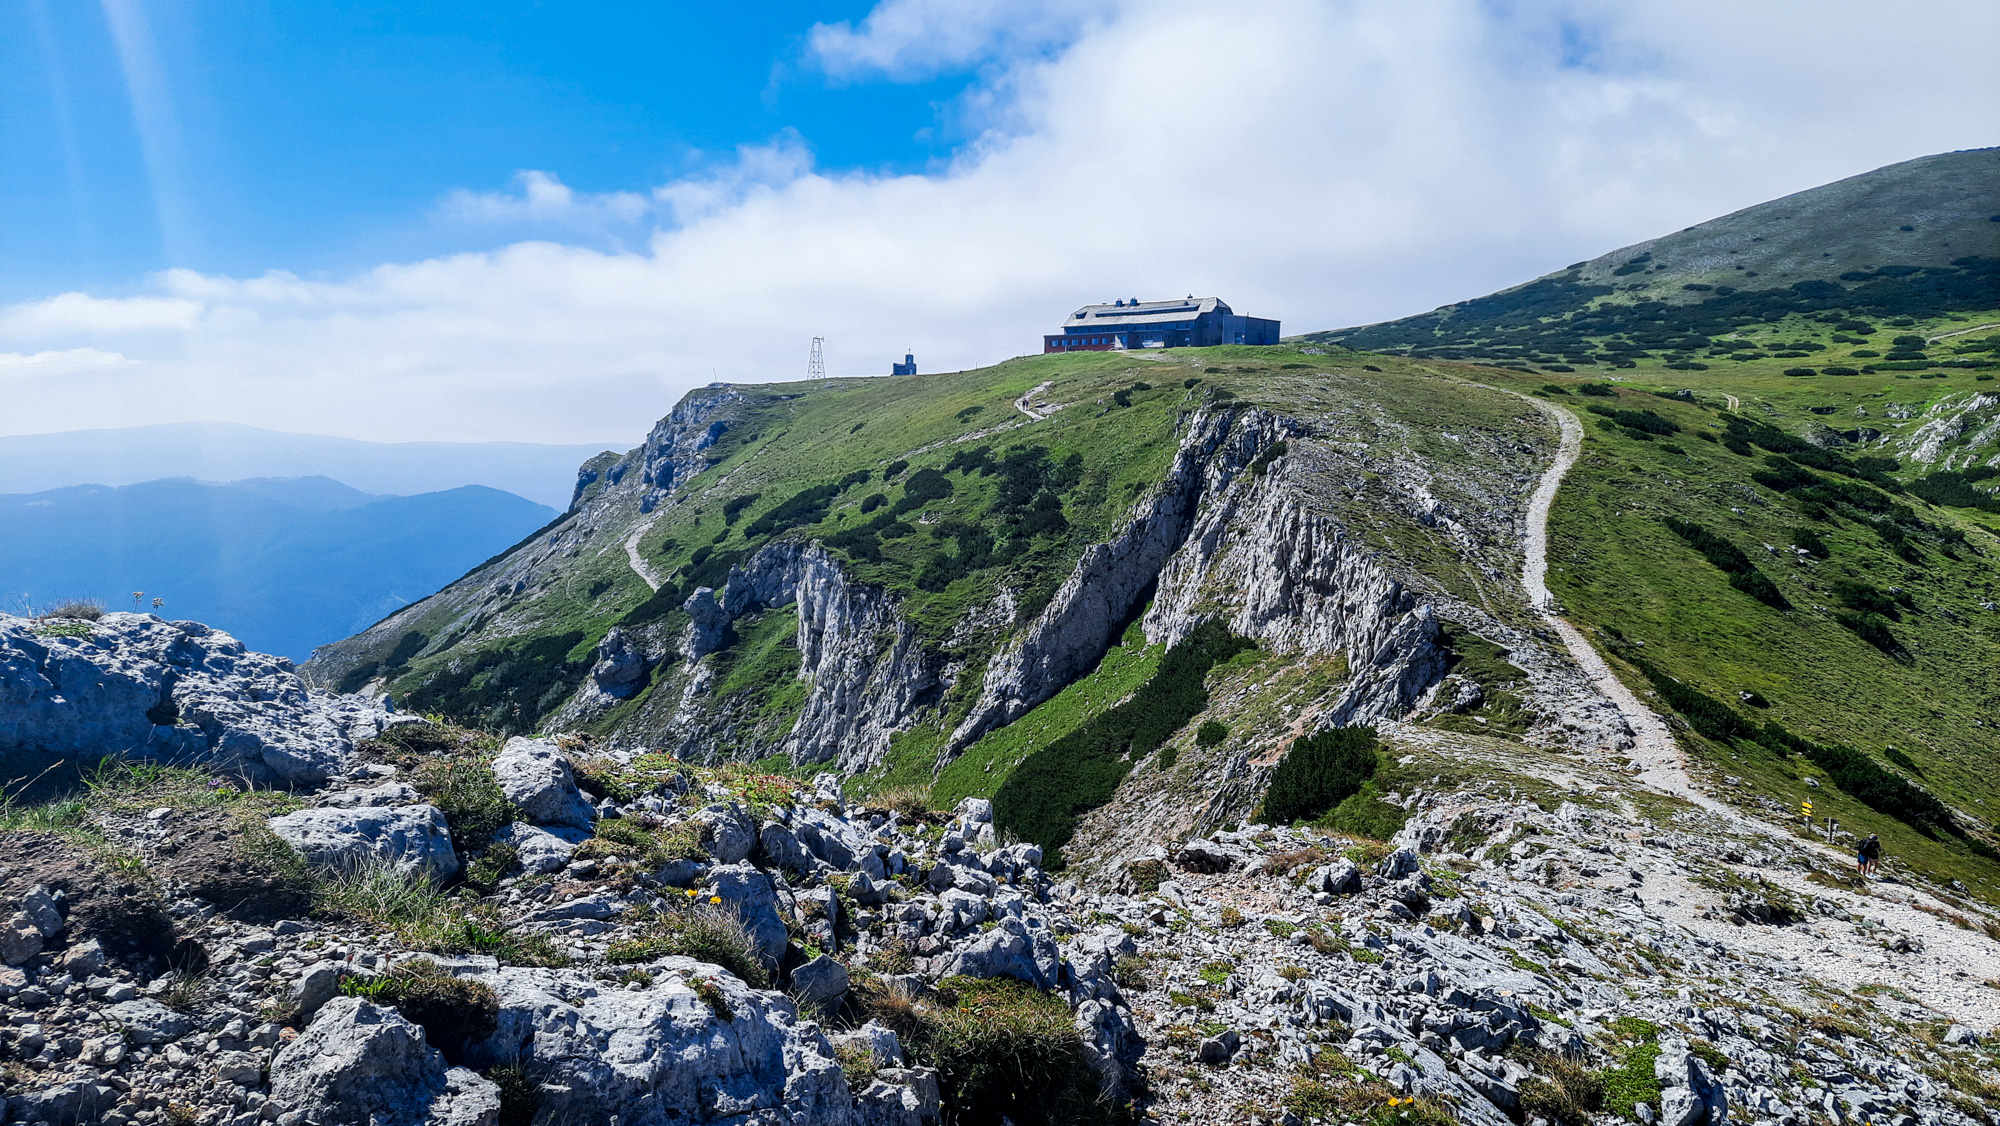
column 705, row 932
column 520, row 1096
column 453, row 1011
column 425, row 918
column 465, row 791
column 1003, row 1049
column 1564, row 1091
column 76, row 609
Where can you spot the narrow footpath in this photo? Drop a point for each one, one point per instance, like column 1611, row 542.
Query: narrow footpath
column 1947, row 973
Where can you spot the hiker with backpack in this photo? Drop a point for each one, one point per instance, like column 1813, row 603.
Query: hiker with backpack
column 1869, row 856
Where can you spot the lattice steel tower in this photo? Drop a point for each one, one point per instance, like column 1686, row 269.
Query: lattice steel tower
column 816, row 363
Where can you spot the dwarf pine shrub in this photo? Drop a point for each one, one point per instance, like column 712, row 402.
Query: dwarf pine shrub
column 1319, row 772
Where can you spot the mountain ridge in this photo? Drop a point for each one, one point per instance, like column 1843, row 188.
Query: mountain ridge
column 225, row 451
column 284, row 563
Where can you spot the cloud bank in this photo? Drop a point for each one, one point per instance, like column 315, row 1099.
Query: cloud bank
column 1326, row 163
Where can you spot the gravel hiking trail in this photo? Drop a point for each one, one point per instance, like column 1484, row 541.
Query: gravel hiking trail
column 1026, row 404
column 1946, row 974
column 639, row 564
column 1654, row 750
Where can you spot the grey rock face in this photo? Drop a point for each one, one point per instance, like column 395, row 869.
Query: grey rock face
column 1339, row 878
column 39, row 908
column 870, row 677
column 750, row 894
column 672, row 452
column 173, row 690
column 64, row 1103
column 19, row 940
column 820, row 983
column 536, row 778
column 359, row 1064
column 409, row 837
column 541, row 850
column 621, row 665
column 1014, row 950
column 83, row 959
column 728, row 832
column 782, row 848
column 149, row 1022
column 315, row 987
column 371, row 797
column 1106, row 584
column 1689, row 1092
column 899, row 1096
column 1299, row 583
column 662, row 1054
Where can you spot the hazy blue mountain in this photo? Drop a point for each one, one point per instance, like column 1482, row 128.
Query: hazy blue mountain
column 284, row 564
column 226, row 451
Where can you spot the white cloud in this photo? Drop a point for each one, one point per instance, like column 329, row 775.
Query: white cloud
column 919, row 38
column 67, row 360
column 1326, row 163
column 544, row 199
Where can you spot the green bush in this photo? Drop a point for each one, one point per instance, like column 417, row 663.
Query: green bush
column 1055, row 785
column 923, row 487
column 1727, row 557
column 807, row 506
column 1643, row 421
column 1874, row 629
column 1319, row 772
column 1004, row 1051
column 1210, row 734
column 1954, row 488
column 734, row 506
column 1601, row 390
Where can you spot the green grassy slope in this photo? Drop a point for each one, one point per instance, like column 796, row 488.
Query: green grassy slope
column 1860, row 324
column 1917, row 239
column 1643, row 591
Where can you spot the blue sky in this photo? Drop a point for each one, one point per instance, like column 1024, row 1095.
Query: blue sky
column 315, row 135
column 545, row 222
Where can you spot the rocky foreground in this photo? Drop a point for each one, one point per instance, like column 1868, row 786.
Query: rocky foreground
column 332, row 914
column 1496, row 962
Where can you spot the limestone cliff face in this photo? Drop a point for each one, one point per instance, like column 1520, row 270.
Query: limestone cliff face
column 1262, row 562
column 672, row 452
column 1111, row 580
column 868, row 676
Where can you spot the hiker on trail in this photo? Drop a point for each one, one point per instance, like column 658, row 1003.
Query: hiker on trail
column 1870, row 855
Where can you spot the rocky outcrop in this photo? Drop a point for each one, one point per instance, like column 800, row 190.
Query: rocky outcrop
column 537, row 779
column 869, row 675
column 1112, row 578
column 175, row 691
column 1270, row 568
column 621, row 666
column 1957, row 431
column 678, row 1058
column 408, row 838
column 360, row 1064
column 673, row 451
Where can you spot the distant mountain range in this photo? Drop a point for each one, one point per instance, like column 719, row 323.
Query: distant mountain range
column 284, row 564
column 226, row 451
